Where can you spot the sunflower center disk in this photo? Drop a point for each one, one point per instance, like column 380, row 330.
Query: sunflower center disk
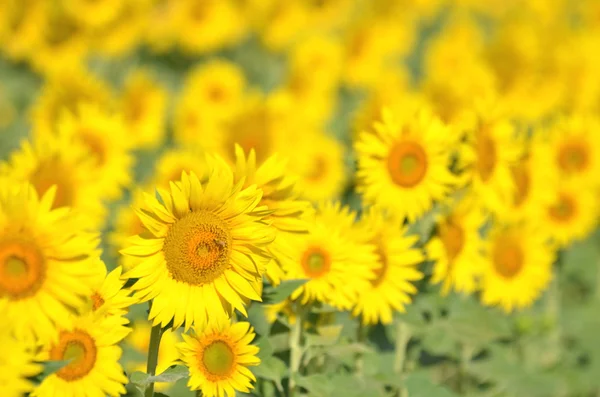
column 381, row 270
column 79, row 348
column 218, row 358
column 453, row 238
column 508, row 257
column 564, row 209
column 95, row 146
column 522, row 185
column 573, row 157
column 486, row 157
column 407, row 163
column 197, row 248
column 22, row 269
column 315, row 262
column 53, row 173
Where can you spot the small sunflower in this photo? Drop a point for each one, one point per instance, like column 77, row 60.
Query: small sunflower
column 395, row 269
column 518, row 266
column 208, row 246
column 318, row 161
column 492, row 150
column 111, row 299
column 572, row 215
column 48, row 266
column 17, row 364
column 105, row 142
column 143, row 103
column 93, row 14
column 92, row 346
column 456, row 249
column 337, row 265
column 405, row 168
column 218, row 356
column 287, row 210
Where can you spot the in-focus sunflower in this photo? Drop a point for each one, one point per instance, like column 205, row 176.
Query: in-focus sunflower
column 218, row 356
column 404, row 165
column 105, row 142
column 337, row 265
column 395, row 269
column 208, row 248
column 573, row 150
column 17, row 364
column 92, row 346
column 318, row 161
column 518, row 266
column 287, row 212
column 457, row 249
column 143, row 103
column 48, row 266
column 572, row 215
column 110, row 298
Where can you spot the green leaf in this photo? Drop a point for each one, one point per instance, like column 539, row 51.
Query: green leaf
column 50, row 367
column 272, row 369
column 273, row 295
column 140, row 380
column 172, row 374
column 265, row 347
column 317, row 385
column 419, row 384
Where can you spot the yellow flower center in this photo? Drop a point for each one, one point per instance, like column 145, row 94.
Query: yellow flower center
column 197, row 248
column 486, row 156
column 564, row 209
column 53, row 172
column 95, row 146
column 453, row 238
column 134, row 108
column 22, row 269
column 407, row 163
column 573, row 157
column 79, row 347
column 217, row 93
column 315, row 262
column 522, row 184
column 218, row 358
column 97, row 301
column 507, row 256
column 383, row 262
column 317, row 169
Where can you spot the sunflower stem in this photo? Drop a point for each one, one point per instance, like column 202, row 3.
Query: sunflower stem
column 402, row 338
column 361, row 337
column 295, row 349
column 155, row 336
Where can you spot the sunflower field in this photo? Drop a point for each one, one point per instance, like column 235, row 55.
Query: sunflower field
column 286, row 198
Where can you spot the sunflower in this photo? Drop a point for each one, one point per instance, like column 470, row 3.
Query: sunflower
column 66, row 90
column 21, row 27
column 93, row 14
column 457, row 249
column 337, row 265
column 110, row 298
column 144, row 102
column 218, row 356
column 572, row 215
column 493, row 148
column 573, row 150
column 395, row 269
column 48, row 266
column 208, row 246
column 173, row 162
column 103, row 137
column 17, row 364
column 92, row 346
column 168, row 353
column 404, row 168
column 318, row 161
column 517, row 268
column 287, row 210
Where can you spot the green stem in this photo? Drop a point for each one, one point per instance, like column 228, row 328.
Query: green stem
column 361, row 337
column 402, row 338
column 465, row 358
column 155, row 336
column 295, row 350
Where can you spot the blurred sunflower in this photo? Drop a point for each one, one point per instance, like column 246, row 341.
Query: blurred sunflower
column 110, row 298
column 173, row 162
column 48, row 266
column 127, row 224
column 143, row 103
column 337, row 265
column 17, row 365
column 404, row 165
column 208, row 246
column 572, row 215
column 395, row 269
column 105, row 143
column 456, row 249
column 92, row 346
column 93, row 14
column 218, row 356
column 287, row 212
column 518, row 266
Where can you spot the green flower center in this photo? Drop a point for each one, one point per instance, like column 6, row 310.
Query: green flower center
column 218, row 358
